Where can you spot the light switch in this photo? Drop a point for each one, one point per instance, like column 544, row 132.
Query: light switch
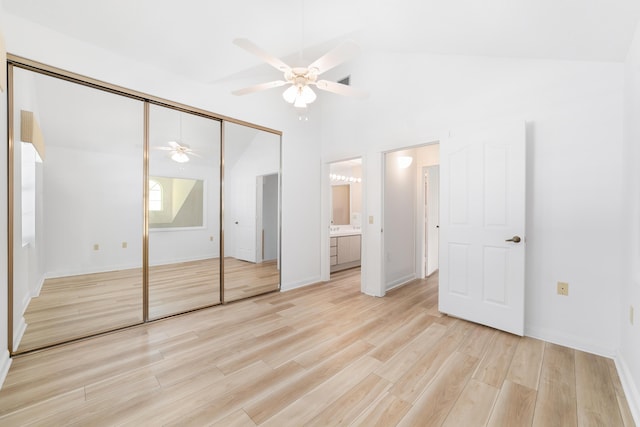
column 96, row 247
column 124, row 245
column 370, row 219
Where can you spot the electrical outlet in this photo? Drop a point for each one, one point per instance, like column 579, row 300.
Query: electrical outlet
column 96, row 247
column 124, row 245
column 211, row 238
column 563, row 288
column 370, row 219
column 631, row 314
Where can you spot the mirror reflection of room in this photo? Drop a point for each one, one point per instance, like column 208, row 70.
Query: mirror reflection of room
column 346, row 211
column 86, row 256
column 251, row 215
column 77, row 202
column 184, row 211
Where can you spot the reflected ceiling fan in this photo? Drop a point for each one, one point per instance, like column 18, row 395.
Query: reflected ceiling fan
column 300, row 79
column 178, row 152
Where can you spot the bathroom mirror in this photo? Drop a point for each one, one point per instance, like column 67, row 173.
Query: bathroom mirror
column 341, row 204
column 346, row 192
column 184, row 211
column 251, row 211
column 77, row 210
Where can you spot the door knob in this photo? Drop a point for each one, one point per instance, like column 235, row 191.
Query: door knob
column 514, row 239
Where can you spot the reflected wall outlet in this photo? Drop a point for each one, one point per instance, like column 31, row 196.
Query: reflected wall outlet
column 124, row 245
column 563, row 288
column 96, row 247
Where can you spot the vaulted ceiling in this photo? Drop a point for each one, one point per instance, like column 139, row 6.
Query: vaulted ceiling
column 193, row 38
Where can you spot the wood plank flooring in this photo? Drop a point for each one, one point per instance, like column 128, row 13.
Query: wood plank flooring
column 78, row 306
column 324, row 355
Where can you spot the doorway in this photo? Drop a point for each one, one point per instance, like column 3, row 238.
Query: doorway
column 345, row 219
column 267, row 194
column 410, row 214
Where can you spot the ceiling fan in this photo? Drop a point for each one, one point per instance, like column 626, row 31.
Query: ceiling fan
column 178, row 152
column 300, row 79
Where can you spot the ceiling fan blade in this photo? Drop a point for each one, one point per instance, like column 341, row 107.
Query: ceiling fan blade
column 341, row 89
column 266, row 57
column 336, row 56
column 173, row 144
column 258, row 88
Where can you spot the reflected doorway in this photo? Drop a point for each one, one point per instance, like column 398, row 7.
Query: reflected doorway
column 345, row 230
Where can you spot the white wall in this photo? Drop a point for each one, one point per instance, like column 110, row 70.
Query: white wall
column 629, row 355
column 574, row 201
column 86, row 204
column 399, row 219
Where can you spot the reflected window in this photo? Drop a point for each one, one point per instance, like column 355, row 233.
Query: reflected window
column 155, row 196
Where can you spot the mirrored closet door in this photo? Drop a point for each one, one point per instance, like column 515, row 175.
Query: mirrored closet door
column 117, row 210
column 184, row 211
column 251, row 211
column 77, row 210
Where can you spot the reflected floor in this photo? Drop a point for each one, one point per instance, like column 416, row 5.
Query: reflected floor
column 78, row 306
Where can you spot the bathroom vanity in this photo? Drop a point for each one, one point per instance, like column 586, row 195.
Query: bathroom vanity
column 345, row 249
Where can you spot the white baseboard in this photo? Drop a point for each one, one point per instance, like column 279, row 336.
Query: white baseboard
column 36, row 293
column 573, row 342
column 300, row 283
column 5, row 364
column 401, row 281
column 631, row 390
column 19, row 331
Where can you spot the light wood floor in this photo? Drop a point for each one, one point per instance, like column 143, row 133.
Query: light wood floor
column 77, row 306
column 323, row 355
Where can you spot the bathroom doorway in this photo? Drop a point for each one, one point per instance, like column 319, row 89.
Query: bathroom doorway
column 345, row 216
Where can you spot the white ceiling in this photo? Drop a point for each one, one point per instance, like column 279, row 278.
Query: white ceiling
column 193, row 37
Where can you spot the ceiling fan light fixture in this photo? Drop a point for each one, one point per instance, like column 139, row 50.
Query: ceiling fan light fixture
column 299, row 103
column 307, row 94
column 290, row 94
column 179, row 157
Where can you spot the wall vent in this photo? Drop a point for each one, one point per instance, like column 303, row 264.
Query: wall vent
column 345, row 81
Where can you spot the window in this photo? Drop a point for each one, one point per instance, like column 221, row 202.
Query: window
column 155, row 196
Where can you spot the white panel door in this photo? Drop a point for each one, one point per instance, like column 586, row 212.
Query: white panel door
column 482, row 224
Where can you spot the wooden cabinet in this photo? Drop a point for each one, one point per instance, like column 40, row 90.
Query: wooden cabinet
column 333, row 251
column 347, row 252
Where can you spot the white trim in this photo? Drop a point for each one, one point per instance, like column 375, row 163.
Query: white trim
column 300, row 283
column 38, row 288
column 401, row 281
column 5, row 364
column 18, row 332
column 570, row 341
column 631, row 391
